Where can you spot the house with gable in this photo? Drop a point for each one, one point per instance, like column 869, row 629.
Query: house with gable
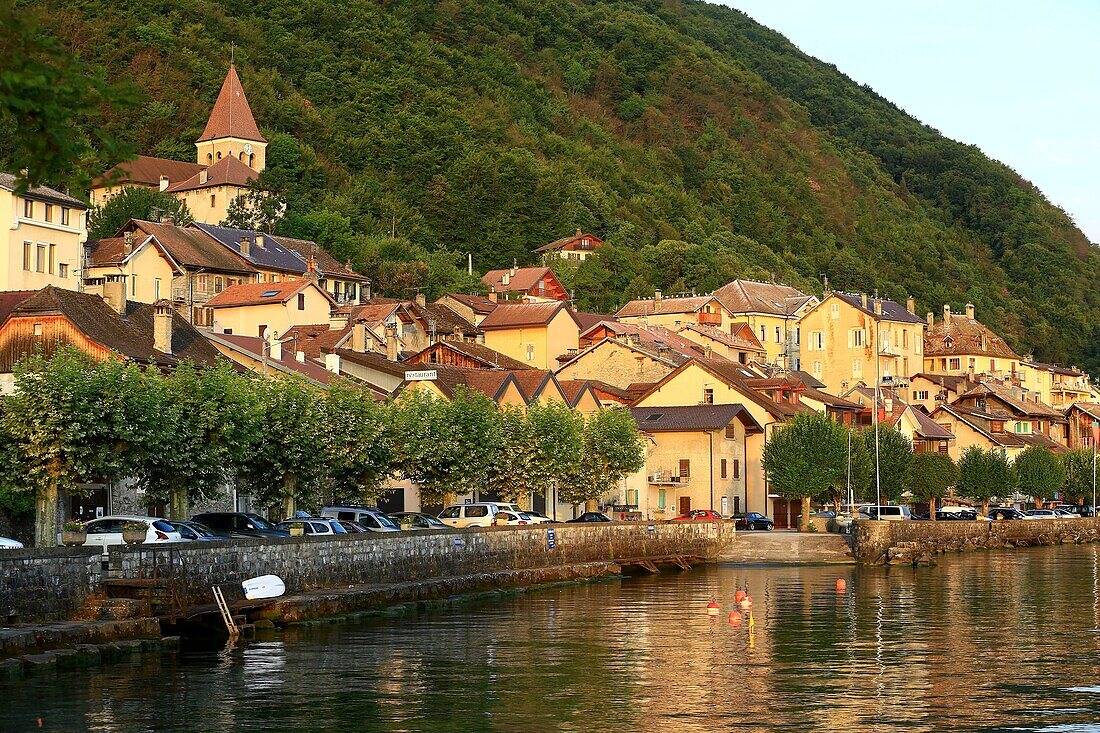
column 961, row 345
column 578, row 246
column 674, row 313
column 621, row 354
column 44, row 232
column 772, row 311
column 527, row 284
column 738, row 344
column 269, row 309
column 532, row 333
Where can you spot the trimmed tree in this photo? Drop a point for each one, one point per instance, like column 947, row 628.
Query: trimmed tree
column 1077, row 484
column 1039, row 472
column 930, row 476
column 807, row 457
column 136, row 203
column 984, row 474
column 360, row 448
column 895, row 452
column 611, row 449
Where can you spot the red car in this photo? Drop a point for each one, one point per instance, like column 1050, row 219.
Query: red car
column 700, row 515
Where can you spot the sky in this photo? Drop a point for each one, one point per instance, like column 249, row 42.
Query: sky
column 1020, row 79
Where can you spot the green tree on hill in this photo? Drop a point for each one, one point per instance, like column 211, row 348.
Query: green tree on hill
column 930, row 476
column 984, row 474
column 807, row 457
column 1039, row 473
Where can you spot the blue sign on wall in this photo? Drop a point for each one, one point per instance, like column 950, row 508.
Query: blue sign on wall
column 551, row 540
column 650, row 528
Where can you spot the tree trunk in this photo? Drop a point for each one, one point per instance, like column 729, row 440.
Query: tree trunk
column 592, row 505
column 985, row 507
column 932, row 508
column 804, row 520
column 525, row 500
column 45, row 516
column 177, row 504
column 290, row 496
column 836, row 505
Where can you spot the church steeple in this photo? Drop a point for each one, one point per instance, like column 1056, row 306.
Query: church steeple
column 231, row 129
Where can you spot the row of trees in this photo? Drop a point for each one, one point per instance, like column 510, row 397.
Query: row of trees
column 814, row 458
column 185, row 436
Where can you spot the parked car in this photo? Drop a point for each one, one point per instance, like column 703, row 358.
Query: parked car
column 10, row 544
column 312, row 526
column 1042, row 514
column 479, row 514
column 1077, row 510
column 107, row 531
column 352, row 527
column 194, row 531
column 509, row 518
column 591, row 517
column 416, row 520
column 539, row 517
column 1065, row 513
column 753, row 521
column 1006, row 512
column 371, row 518
column 507, row 506
column 699, row 515
column 239, row 524
column 884, row 512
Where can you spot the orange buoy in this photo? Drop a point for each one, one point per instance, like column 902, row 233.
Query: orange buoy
column 841, row 585
column 746, row 603
column 713, row 608
column 735, row 619
column 739, row 595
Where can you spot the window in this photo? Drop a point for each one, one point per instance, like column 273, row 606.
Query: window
column 723, row 468
column 992, row 365
column 905, row 338
column 262, row 327
column 28, row 208
column 212, row 201
column 217, row 285
column 40, row 258
column 737, row 468
column 530, row 352
column 777, row 338
column 954, row 363
column 301, row 301
column 204, row 283
column 156, row 288
column 62, row 270
column 996, row 426
column 49, row 212
column 685, row 468
column 133, row 286
column 834, row 312
column 708, row 396
column 919, row 395
column 763, row 335
column 477, row 511
column 855, row 338
column 53, row 259
column 28, row 256
column 64, row 216
column 797, row 335
column 731, row 431
column 660, row 498
column 817, row 341
column 38, row 329
column 228, row 331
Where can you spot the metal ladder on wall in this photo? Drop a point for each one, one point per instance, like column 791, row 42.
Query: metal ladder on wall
column 227, row 617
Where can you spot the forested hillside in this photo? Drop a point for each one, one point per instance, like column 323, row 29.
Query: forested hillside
column 702, row 145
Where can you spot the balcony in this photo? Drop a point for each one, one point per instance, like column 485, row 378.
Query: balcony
column 893, row 380
column 667, row 477
column 710, row 319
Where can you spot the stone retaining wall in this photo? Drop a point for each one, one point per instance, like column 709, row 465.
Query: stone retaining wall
column 886, row 543
column 53, row 584
column 47, row 584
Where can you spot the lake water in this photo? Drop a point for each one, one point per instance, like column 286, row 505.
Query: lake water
column 984, row 642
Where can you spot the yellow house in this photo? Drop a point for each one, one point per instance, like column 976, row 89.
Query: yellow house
column 533, row 333
column 990, row 427
column 229, row 154
column 842, row 334
column 960, row 344
column 738, row 344
column 44, row 235
column 932, row 390
column 143, row 263
column 269, row 309
column 772, row 311
column 695, row 459
column 721, row 382
column 673, row 313
column 1058, row 386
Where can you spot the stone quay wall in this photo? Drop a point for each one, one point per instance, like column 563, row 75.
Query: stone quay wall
column 917, row 542
column 46, row 584
column 40, row 585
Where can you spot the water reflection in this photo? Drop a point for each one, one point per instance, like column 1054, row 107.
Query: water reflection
column 983, row 642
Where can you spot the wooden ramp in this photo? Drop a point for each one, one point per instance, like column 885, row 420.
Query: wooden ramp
column 654, row 564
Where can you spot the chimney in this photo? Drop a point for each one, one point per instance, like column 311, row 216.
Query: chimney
column 506, row 278
column 300, row 356
column 514, row 268
column 458, row 333
column 164, row 183
column 947, row 317
column 578, row 232
column 332, row 362
column 863, row 300
column 128, row 239
column 931, row 319
column 275, row 350
column 911, row 305
column 878, row 307
column 493, row 295
column 162, row 326
column 970, row 311
column 985, row 344
column 707, row 350
column 391, row 343
column 259, row 240
column 657, row 294
column 245, row 246
column 114, row 292
column 421, row 300
column 888, row 405
column 359, row 338
column 203, row 176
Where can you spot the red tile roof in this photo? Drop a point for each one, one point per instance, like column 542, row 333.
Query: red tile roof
column 191, row 247
column 742, row 337
column 253, row 346
column 10, row 299
column 231, row 115
column 148, row 170
column 964, row 336
column 751, row 296
column 573, row 241
column 479, row 304
column 524, row 280
column 261, row 293
column 662, row 306
column 519, row 315
column 226, row 172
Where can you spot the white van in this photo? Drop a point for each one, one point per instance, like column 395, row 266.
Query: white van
column 470, row 515
column 891, row 513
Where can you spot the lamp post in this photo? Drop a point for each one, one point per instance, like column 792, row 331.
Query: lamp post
column 1095, row 440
